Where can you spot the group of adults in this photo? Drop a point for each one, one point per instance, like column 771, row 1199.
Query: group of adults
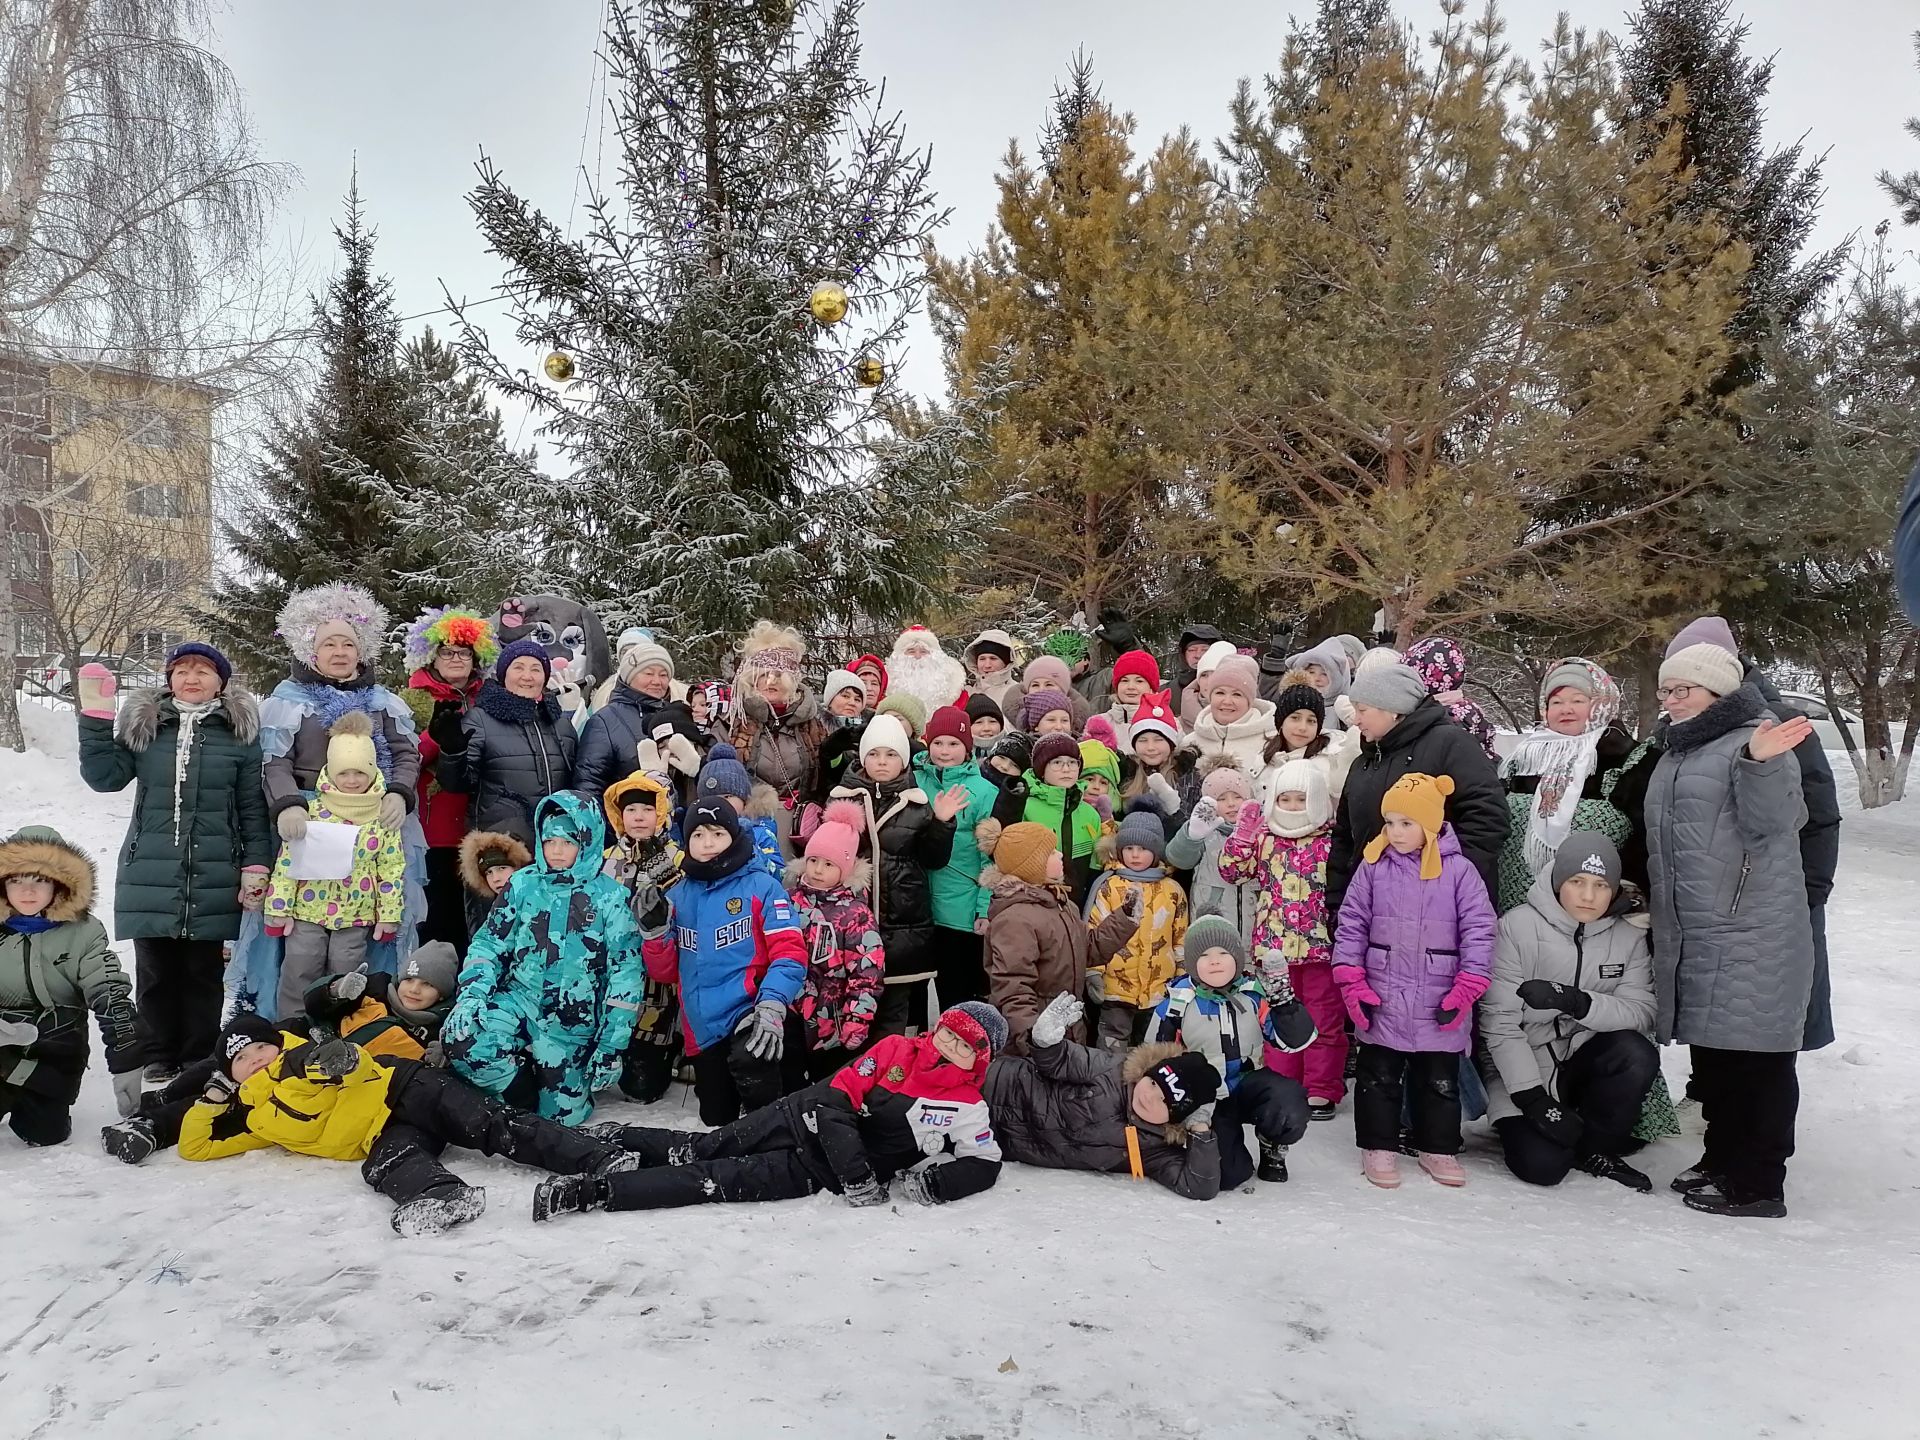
column 1724, row 821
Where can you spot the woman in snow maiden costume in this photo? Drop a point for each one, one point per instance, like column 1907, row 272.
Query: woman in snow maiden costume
column 334, row 632
column 447, row 650
column 55, row 965
column 514, row 747
column 553, row 984
column 1732, row 939
column 198, row 846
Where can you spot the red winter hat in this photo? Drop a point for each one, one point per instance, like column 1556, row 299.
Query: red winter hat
column 952, row 722
column 1137, row 662
column 863, row 661
column 1155, row 714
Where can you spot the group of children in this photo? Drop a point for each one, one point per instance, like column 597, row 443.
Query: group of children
column 1169, row 876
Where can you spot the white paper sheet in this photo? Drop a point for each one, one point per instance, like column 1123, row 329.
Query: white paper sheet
column 325, row 852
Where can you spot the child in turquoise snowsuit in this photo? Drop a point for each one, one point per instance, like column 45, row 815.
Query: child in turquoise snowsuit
column 553, row 983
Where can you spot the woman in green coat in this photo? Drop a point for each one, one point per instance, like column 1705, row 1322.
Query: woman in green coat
column 198, row 849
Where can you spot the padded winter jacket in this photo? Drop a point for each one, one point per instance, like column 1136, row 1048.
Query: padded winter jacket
column 1289, row 881
column 192, row 834
column 1425, row 742
column 374, row 892
column 959, row 899
column 1138, row 973
column 733, row 941
column 443, row 813
column 1608, row 958
column 780, row 748
column 1732, row 938
column 1067, row 1107
column 1063, row 812
column 1414, row 938
column 297, row 1108
column 904, row 1106
column 1243, row 742
column 52, row 978
column 846, row 967
column 518, row 752
column 1232, row 1028
column 1613, row 802
column 906, row 843
column 1211, row 892
column 1039, row 947
column 611, row 740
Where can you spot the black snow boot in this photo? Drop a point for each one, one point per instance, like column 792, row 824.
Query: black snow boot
column 1325, row 1110
column 1612, row 1167
column 130, row 1141
column 1273, row 1162
column 1726, row 1200
column 1694, row 1177
column 440, row 1208
column 608, row 1131
column 569, row 1195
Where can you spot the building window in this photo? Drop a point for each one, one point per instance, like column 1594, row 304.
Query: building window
column 23, row 395
column 30, row 635
column 150, row 647
column 75, row 567
column 30, row 557
column 155, row 428
column 76, row 413
column 164, row 502
column 160, row 572
column 29, row 473
column 70, row 487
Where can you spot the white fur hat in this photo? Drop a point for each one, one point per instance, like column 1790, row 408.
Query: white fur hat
column 321, row 607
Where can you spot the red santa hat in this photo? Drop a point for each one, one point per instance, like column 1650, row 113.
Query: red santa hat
column 1155, row 715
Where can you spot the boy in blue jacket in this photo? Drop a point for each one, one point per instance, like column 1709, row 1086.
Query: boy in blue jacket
column 735, row 948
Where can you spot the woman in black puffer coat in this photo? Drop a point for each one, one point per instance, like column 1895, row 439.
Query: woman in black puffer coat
column 908, row 833
column 512, row 748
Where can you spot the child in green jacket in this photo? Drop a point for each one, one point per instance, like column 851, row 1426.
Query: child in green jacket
column 1049, row 794
column 959, row 900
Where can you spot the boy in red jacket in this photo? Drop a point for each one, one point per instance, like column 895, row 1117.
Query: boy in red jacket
column 908, row 1114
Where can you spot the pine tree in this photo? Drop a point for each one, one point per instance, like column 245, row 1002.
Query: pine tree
column 721, row 459
column 388, row 424
column 1905, row 189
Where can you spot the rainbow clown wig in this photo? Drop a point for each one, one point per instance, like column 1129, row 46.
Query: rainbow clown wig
column 451, row 626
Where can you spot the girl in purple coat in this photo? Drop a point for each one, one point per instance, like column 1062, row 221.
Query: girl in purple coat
column 1413, row 952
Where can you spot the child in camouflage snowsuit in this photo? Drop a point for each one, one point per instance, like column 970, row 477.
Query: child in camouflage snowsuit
column 553, row 983
column 646, row 863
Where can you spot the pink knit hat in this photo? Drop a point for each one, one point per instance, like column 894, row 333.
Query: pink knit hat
column 837, row 838
column 1238, row 672
column 1226, row 780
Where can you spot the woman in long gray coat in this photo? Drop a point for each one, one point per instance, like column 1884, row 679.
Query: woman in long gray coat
column 1732, row 942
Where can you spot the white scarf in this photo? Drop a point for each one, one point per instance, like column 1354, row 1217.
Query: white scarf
column 191, row 713
column 1563, row 764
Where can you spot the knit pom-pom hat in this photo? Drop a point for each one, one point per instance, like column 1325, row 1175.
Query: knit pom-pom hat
column 1022, row 851
column 837, row 838
column 1041, row 703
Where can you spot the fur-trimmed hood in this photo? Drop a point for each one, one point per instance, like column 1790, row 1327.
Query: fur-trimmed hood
column 763, row 802
column 1139, row 1060
column 477, row 842
column 145, row 711
column 857, row 881
column 41, row 850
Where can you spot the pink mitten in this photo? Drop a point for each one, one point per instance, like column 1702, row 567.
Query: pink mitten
column 1467, row 988
column 96, row 687
column 1253, row 819
column 1358, row 996
column 1102, row 806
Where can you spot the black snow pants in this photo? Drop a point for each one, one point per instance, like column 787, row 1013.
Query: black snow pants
column 765, row 1155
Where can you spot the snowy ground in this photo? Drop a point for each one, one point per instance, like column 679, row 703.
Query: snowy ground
column 179, row 1299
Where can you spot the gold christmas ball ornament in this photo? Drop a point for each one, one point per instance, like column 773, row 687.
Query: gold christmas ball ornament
column 559, row 367
column 868, row 371
column 828, row 302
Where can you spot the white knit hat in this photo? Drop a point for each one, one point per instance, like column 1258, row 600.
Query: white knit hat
column 838, row 680
column 1707, row 666
column 886, row 732
column 1218, row 651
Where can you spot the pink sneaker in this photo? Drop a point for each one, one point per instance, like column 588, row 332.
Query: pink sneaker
column 1445, row 1169
column 1381, row 1167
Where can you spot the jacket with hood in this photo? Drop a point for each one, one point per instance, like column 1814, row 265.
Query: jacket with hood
column 518, row 752
column 959, row 900
column 198, row 818
column 480, row 897
column 1414, row 938
column 555, row 973
column 1608, row 958
column 647, row 870
column 1425, row 742
column 846, row 963
column 375, row 1020
column 907, row 844
column 1231, row 1027
column 1188, row 700
column 1063, row 812
column 50, row 978
column 1003, row 684
column 1138, row 973
column 1331, row 656
column 1242, row 742
column 611, row 738
column 297, row 1108
column 780, row 748
column 1288, row 880
column 1211, row 893
column 1039, row 947
column 1068, row 1107
column 1732, row 937
column 297, row 718
column 443, row 812
column 374, row 892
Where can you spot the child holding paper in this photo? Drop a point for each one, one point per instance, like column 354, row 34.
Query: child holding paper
column 329, row 922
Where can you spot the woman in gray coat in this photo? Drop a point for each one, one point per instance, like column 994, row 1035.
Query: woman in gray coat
column 1732, row 942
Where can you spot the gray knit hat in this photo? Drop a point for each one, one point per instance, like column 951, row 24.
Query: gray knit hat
column 1141, row 826
column 437, row 963
column 1584, row 852
column 1397, row 689
column 990, row 1020
column 1209, row 932
column 1570, row 674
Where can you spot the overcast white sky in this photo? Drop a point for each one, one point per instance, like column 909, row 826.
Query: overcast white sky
column 417, row 88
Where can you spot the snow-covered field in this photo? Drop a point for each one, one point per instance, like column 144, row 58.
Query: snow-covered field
column 266, row 1294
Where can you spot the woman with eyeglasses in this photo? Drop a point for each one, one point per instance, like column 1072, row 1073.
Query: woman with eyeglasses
column 1732, row 939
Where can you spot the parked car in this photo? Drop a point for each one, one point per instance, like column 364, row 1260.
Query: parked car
column 1827, row 722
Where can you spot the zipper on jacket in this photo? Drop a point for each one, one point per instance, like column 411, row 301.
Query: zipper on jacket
column 546, row 767
column 26, row 960
column 1746, row 869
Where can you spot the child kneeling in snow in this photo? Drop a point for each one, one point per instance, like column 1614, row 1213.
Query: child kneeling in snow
column 333, row 1100
column 907, row 1116
column 846, row 963
column 1220, row 1011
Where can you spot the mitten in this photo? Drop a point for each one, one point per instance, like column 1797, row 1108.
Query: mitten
column 1253, row 819
column 915, row 1185
column 278, row 928
column 604, row 1071
column 652, row 763
column 1205, row 818
column 333, row 1059
column 1050, row 1026
column 253, row 886
column 18, row 1034
column 853, row 1035
column 868, row 1192
column 1357, row 995
column 96, row 686
column 393, row 810
column 1466, row 989
column 1549, row 1116
column 126, row 1091
column 445, row 727
column 292, row 823
column 220, row 1090
column 1292, row 1024
column 1102, row 806
column 1201, row 1119
column 385, row 930
column 1551, row 995
column 1096, row 987
column 765, row 1028
column 436, row 1055
column 1162, row 790
column 681, row 754
column 1135, row 905
column 350, row 986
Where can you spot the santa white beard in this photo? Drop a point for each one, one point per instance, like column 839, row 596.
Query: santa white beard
column 934, row 680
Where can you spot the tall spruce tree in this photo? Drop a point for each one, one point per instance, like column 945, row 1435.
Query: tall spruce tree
column 1904, row 190
column 389, row 424
column 721, row 459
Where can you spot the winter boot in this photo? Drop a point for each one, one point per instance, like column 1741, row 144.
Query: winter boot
column 1273, row 1162
column 1726, row 1200
column 618, row 1163
column 1318, row 1109
column 1612, row 1167
column 608, row 1132
column 1381, row 1167
column 130, row 1141
column 569, row 1195
column 441, row 1208
column 1444, row 1168
column 1694, row 1177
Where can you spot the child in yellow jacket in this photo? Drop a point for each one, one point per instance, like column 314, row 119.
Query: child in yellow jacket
column 1129, row 986
column 329, row 923
column 333, row 1100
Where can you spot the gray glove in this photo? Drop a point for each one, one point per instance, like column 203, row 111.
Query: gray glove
column 867, row 1192
column 220, row 1090
column 292, row 823
column 393, row 810
column 18, row 1034
column 1051, row 1026
column 334, row 1058
column 350, row 986
column 126, row 1092
column 915, row 1185
column 766, row 1030
column 435, row 1056
column 1201, row 1119
column 1096, row 987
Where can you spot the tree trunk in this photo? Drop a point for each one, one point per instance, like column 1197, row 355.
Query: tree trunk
column 1645, row 660
column 1904, row 764
column 1872, row 770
